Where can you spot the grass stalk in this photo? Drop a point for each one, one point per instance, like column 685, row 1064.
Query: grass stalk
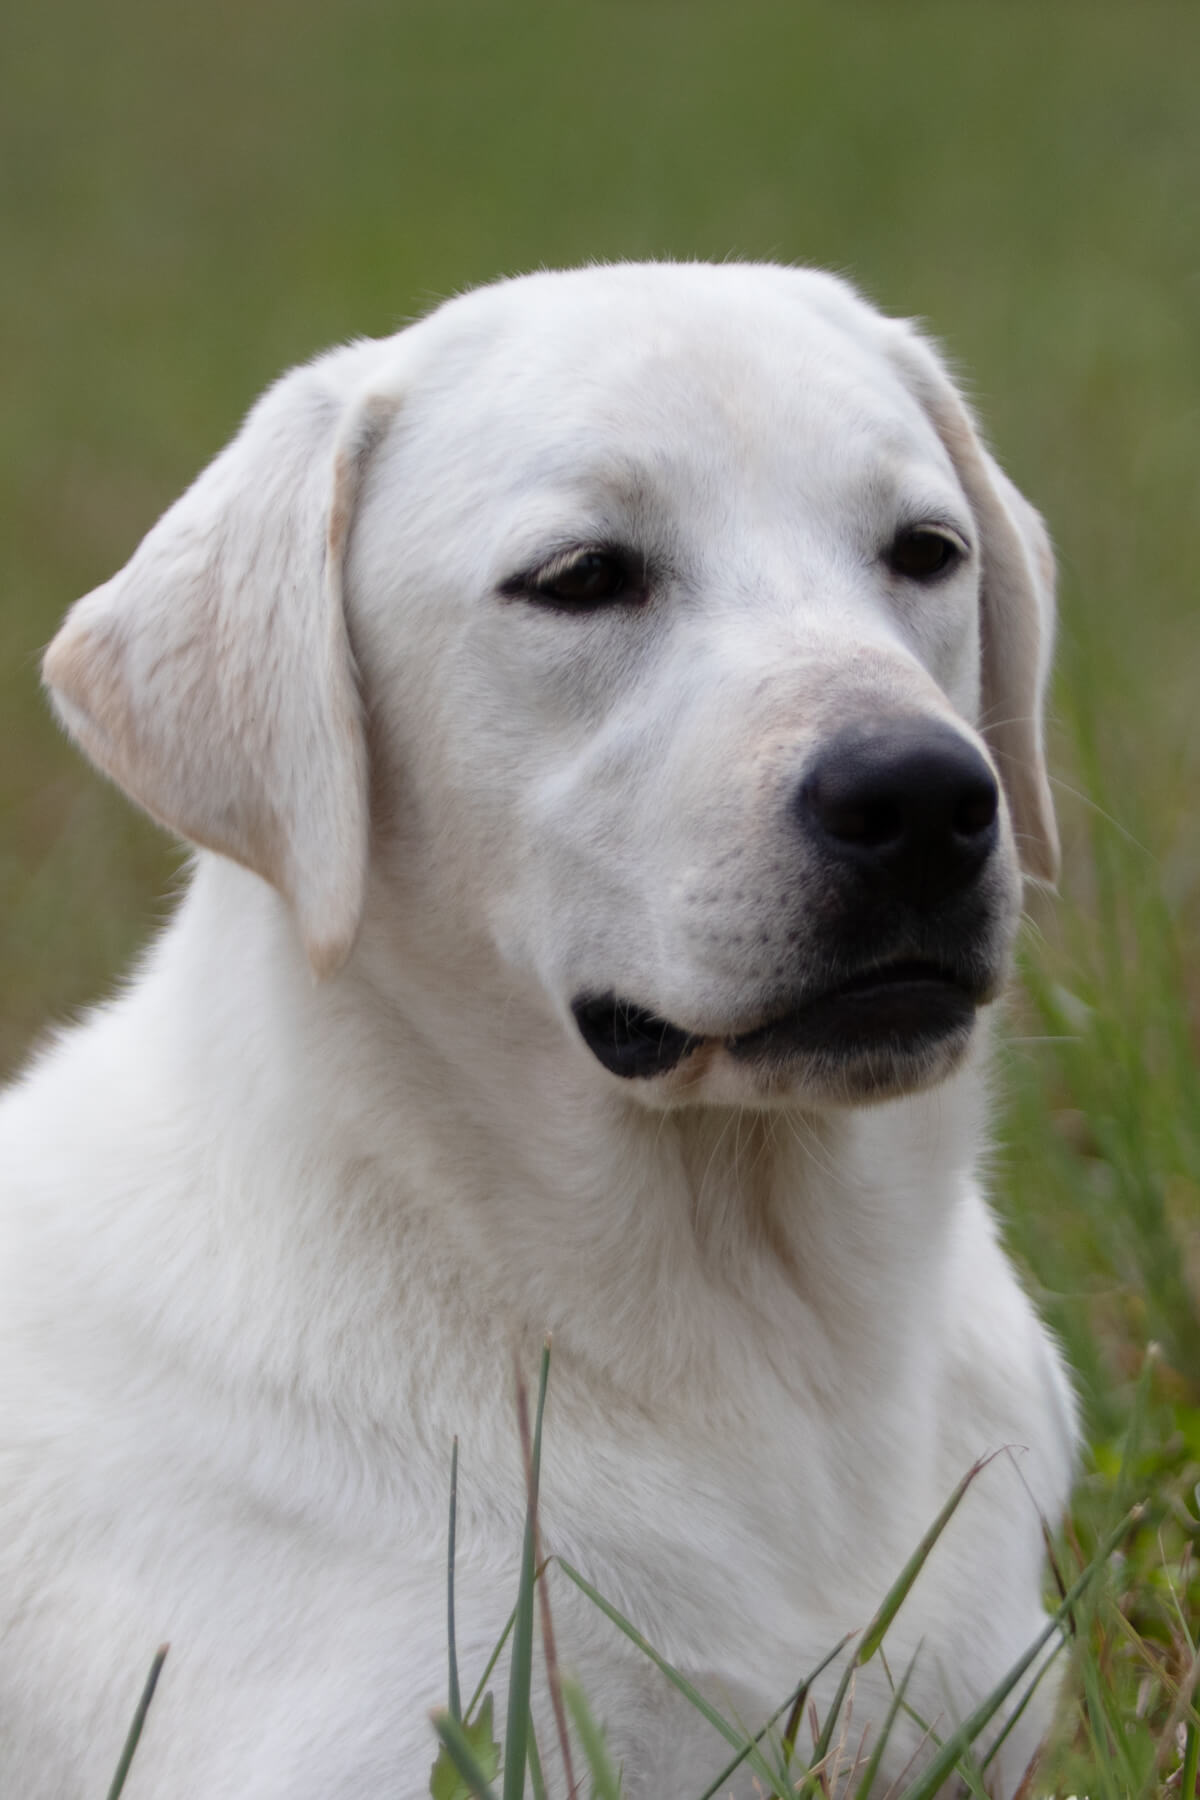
column 136, row 1724
column 455, row 1698
column 537, row 1779
column 521, row 1664
column 532, row 1456
column 747, row 1747
column 863, row 1790
column 795, row 1700
column 606, row 1782
column 880, row 1624
column 943, row 1764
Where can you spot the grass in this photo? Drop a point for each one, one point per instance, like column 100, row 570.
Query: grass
column 194, row 200
column 1115, row 1741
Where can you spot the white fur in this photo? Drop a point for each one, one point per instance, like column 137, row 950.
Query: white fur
column 270, row 1241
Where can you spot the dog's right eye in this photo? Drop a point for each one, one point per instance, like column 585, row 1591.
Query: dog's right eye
column 584, row 580
column 923, row 552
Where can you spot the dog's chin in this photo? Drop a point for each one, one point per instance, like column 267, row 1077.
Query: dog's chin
column 882, row 1033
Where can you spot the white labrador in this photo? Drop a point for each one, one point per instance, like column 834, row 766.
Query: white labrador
column 608, row 712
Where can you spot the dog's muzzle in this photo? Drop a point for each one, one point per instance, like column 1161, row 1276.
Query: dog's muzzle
column 902, row 818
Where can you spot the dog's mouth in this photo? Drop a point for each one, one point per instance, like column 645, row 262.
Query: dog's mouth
column 897, row 1011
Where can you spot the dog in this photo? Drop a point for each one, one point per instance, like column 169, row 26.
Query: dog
column 607, row 718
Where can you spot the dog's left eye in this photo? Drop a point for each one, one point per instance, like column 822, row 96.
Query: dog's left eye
column 583, row 580
column 923, row 552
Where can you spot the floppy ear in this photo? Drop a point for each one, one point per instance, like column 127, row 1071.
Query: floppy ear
column 1017, row 609
column 213, row 677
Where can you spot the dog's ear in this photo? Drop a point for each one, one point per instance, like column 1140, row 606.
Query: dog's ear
column 1017, row 607
column 213, row 677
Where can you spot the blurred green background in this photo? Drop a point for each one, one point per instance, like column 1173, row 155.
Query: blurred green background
column 197, row 197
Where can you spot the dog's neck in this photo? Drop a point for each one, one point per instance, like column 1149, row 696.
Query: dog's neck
column 545, row 1195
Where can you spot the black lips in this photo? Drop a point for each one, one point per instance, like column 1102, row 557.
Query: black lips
column 901, row 1009
column 627, row 1039
column 898, row 1011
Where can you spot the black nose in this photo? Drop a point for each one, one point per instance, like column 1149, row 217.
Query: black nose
column 908, row 801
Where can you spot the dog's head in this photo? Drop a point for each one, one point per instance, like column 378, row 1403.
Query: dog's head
column 664, row 630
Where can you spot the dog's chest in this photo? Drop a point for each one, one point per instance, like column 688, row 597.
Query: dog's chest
column 307, row 1614
column 314, row 1663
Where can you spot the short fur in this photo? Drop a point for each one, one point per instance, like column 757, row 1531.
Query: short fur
column 277, row 1219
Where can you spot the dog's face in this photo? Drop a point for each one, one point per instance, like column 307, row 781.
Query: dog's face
column 702, row 651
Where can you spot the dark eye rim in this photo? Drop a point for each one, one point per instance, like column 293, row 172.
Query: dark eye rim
column 629, row 586
column 955, row 551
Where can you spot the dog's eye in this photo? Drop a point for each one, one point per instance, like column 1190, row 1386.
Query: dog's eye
column 922, row 553
column 582, row 580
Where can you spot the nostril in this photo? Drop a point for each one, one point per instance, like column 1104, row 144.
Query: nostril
column 976, row 810
column 872, row 823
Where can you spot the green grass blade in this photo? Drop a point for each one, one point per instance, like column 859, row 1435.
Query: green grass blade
column 606, row 1782
column 752, row 1754
column 459, row 1750
column 942, row 1765
column 497, row 1652
column 520, row 1678
column 878, row 1628
column 1105, row 1723
column 1135, row 1431
column 896, row 1595
column 863, row 1790
column 825, row 1735
column 795, row 1699
column 492, row 1660
column 137, row 1722
column 455, row 1696
column 1015, row 1715
column 537, row 1780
